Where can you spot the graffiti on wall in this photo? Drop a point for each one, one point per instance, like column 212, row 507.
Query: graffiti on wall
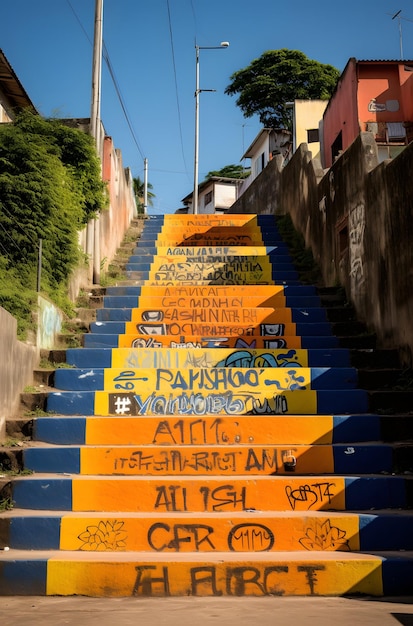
column 357, row 223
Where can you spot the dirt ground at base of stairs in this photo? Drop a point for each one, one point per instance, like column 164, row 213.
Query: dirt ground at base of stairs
column 251, row 611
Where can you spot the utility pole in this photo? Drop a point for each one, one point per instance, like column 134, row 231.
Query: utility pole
column 93, row 236
column 145, row 187
column 97, row 74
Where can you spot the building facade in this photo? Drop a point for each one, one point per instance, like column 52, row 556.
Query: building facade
column 372, row 96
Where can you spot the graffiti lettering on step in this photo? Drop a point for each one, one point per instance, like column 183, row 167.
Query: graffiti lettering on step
column 308, row 496
column 225, row 498
column 245, row 358
column 212, row 580
column 225, row 329
column 201, row 379
column 226, row 461
column 226, row 403
column 198, row 431
column 114, row 536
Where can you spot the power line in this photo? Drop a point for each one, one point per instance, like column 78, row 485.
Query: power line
column 114, row 80
column 117, row 89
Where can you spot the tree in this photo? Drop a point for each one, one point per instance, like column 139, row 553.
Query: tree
column 276, row 78
column 229, row 171
column 139, row 191
column 50, row 186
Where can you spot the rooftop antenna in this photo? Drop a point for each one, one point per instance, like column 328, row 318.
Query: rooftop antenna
column 400, row 31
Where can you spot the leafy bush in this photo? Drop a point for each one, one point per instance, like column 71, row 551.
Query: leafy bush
column 50, row 187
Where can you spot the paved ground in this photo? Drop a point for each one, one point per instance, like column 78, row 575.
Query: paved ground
column 30, row 611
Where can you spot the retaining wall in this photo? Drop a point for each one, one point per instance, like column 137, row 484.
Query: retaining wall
column 16, row 367
column 357, row 217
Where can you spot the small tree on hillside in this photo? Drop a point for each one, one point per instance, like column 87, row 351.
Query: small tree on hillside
column 229, row 171
column 139, row 191
column 276, row 78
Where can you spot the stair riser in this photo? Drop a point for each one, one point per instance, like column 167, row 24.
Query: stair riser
column 173, row 381
column 183, row 430
column 216, row 461
column 202, row 404
column 193, row 494
column 252, row 532
column 246, row 577
column 207, row 357
column 203, row 325
column 220, row 339
column 228, row 311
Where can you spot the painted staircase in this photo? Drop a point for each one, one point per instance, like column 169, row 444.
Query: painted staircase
column 212, row 438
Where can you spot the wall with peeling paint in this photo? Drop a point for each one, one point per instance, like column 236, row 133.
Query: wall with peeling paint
column 357, row 217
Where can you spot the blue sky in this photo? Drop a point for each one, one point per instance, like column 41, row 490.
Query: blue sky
column 151, row 47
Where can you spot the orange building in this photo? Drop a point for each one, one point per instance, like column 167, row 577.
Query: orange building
column 372, row 96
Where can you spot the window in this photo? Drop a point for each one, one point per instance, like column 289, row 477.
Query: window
column 312, row 135
column 208, row 197
column 337, row 146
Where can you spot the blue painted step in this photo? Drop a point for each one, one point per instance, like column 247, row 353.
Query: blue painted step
column 308, row 329
column 305, row 315
column 364, row 459
column 92, row 379
column 363, row 493
column 135, row 290
column 377, row 532
column 132, row 302
column 102, row 357
column 366, row 427
column 328, row 402
column 101, row 340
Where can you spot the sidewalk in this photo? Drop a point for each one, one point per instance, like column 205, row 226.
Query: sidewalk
column 268, row 611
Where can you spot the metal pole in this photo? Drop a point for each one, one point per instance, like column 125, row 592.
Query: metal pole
column 95, row 125
column 145, row 186
column 97, row 74
column 195, row 194
column 224, row 44
column 39, row 266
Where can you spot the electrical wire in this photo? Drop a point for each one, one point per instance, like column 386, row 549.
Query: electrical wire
column 114, row 80
column 176, row 86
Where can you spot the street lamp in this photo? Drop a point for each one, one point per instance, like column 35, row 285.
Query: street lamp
column 223, row 44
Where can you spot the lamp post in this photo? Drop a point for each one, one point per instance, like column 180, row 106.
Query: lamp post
column 223, row 44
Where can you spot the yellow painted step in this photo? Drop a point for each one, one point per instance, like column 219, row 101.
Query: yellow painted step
column 260, row 382
column 221, row 574
column 174, row 358
column 184, row 341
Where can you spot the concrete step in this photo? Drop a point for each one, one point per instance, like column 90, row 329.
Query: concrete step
column 220, row 460
column 200, row 379
column 237, row 429
column 191, row 574
column 199, row 494
column 241, row 532
column 176, row 402
column 206, row 357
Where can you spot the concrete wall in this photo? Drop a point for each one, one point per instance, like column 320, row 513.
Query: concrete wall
column 16, row 367
column 357, row 218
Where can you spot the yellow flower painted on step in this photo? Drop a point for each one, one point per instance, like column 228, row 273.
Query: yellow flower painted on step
column 324, row 536
column 106, row 536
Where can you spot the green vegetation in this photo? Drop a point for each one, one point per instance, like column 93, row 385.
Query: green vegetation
column 276, row 78
column 6, row 504
column 229, row 171
column 139, row 191
column 50, row 187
